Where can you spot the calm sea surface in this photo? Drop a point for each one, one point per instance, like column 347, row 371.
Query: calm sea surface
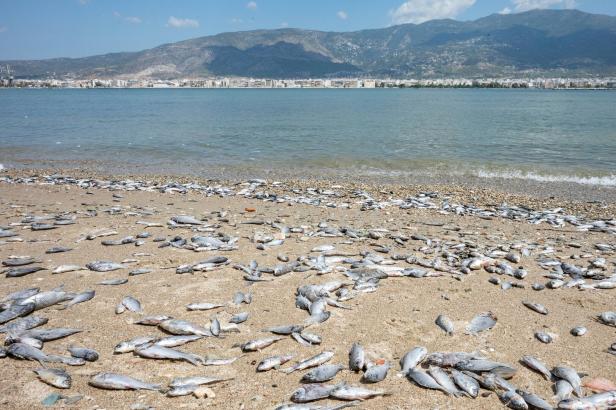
column 542, row 135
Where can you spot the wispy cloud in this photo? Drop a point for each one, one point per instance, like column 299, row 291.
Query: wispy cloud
column 251, row 5
column 128, row 19
column 284, row 24
column 83, row 2
column 236, row 20
column 176, row 22
column 525, row 5
column 4, row 29
column 506, row 10
column 418, row 11
column 342, row 15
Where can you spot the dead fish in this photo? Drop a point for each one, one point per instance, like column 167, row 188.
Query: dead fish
column 534, row 401
column 579, row 331
column 513, row 400
column 607, row 318
column 113, row 381
column 155, row 351
column 469, row 385
column 183, row 390
column 104, row 266
column 25, row 352
column 55, row 377
column 562, row 389
column 482, row 322
column 83, row 353
column 450, row 359
column 570, row 375
column 197, row 380
column 544, row 337
column 312, row 392
column 537, row 307
column 130, row 303
column 257, row 345
column 49, row 298
column 203, row 306
column 273, row 362
column 215, row 327
column 20, row 294
column 80, row 298
column 152, row 320
column 322, row 373
column 537, row 365
column 138, row 272
column 21, row 271
column 423, row 379
column 311, row 338
column 175, row 341
column 442, row 378
column 66, row 269
column 284, row 329
column 482, row 365
column 183, row 327
column 357, row 357
column 211, row 361
column 310, row 362
column 351, row 393
column 69, row 361
column 376, row 373
column 596, row 401
column 445, row 323
column 13, row 262
column 58, row 249
column 600, row 384
column 412, row 358
column 130, row 345
column 113, row 282
column 186, row 220
column 47, row 335
column 23, row 324
column 15, row 311
column 239, row 318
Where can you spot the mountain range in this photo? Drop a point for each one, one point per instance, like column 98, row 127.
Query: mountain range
column 533, row 43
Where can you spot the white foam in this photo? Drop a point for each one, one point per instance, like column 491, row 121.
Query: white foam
column 2, row 168
column 606, row 180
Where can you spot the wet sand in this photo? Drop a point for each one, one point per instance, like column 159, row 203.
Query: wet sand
column 397, row 317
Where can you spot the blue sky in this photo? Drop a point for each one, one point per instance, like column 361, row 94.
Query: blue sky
column 73, row 28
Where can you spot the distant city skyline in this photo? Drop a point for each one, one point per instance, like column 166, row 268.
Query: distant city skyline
column 35, row 29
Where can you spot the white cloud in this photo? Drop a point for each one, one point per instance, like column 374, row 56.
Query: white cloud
column 128, row 19
column 84, row 2
column 251, row 5
column 4, row 29
column 236, row 20
column 176, row 22
column 418, row 11
column 284, row 24
column 525, row 5
column 506, row 10
column 342, row 15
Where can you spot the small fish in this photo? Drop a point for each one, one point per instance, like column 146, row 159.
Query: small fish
column 58, row 249
column 183, row 327
column 285, row 330
column 351, row 393
column 104, row 266
column 113, row 381
column 412, row 358
column 129, row 303
column 273, row 362
column 312, row 392
column 482, row 322
column 83, row 353
column 55, row 377
column 23, row 324
column 197, row 381
column 215, row 327
column 534, row 401
column 13, row 261
column 579, row 331
column 66, row 269
column 152, row 320
column 607, row 318
column 423, row 379
column 376, row 373
column 25, row 352
column 544, row 337
column 175, row 341
column 537, row 365
column 605, row 400
column 210, row 361
column 466, row 383
column 442, row 378
column 155, row 351
column 130, row 345
column 311, row 362
column 322, row 373
column 570, row 375
column 203, row 306
column 357, row 357
column 239, row 318
column 513, row 400
column 257, row 345
column 113, row 282
column 22, row 271
column 562, row 389
column 80, row 298
column 445, row 323
column 537, row 307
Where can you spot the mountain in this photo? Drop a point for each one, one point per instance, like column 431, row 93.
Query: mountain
column 539, row 42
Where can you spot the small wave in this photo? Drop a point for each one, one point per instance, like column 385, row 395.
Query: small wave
column 607, row 180
column 2, row 168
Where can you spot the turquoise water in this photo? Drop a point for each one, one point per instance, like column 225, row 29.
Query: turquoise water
column 546, row 135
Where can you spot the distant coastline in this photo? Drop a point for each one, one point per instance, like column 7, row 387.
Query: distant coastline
column 607, row 83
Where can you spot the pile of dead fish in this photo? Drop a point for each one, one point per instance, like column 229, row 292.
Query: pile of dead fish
column 256, row 189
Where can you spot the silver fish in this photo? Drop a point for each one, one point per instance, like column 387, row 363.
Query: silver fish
column 104, row 266
column 536, row 307
column 579, row 331
column 376, row 373
column 482, row 322
column 357, row 357
column 259, row 344
column 562, row 389
column 83, row 353
column 544, row 337
column 445, row 323
column 423, row 379
column 322, row 373
column 154, row 320
column 570, row 375
column 513, row 400
column 537, row 365
column 55, row 377
column 160, row 352
column 607, row 318
column 351, row 393
column 273, row 362
column 23, row 324
column 175, row 341
column 203, row 306
column 311, row 362
column 80, row 298
column 605, row 400
column 412, row 358
column 197, row 380
column 66, row 269
column 442, row 378
column 113, row 282
column 312, row 392
column 466, row 383
column 113, row 381
column 215, row 327
column 534, row 401
column 239, row 318
column 183, row 327
column 212, row 361
column 26, row 352
column 129, row 345
column 285, row 329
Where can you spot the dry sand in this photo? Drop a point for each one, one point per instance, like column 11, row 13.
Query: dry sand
column 397, row 317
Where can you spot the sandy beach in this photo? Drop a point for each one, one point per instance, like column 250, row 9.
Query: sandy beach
column 396, row 316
